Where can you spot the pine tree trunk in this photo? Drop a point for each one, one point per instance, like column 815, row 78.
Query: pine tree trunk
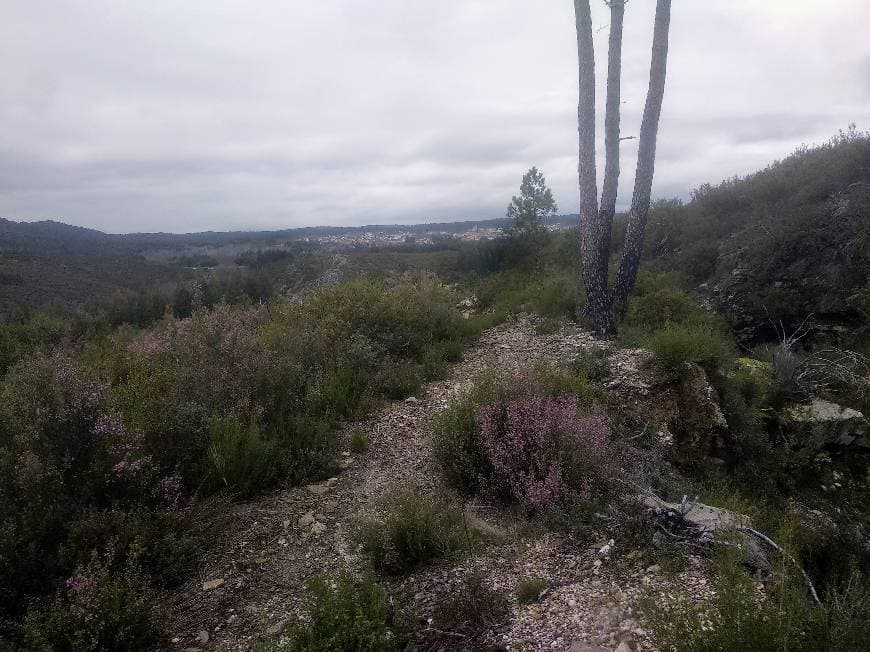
column 591, row 233
column 640, row 201
column 611, row 125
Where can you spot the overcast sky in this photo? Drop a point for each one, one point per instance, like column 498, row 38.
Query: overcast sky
column 174, row 115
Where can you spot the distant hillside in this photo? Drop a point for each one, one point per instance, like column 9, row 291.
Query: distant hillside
column 49, row 263
column 788, row 241
column 52, row 238
column 48, row 236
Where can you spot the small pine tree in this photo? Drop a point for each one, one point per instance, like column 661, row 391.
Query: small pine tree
column 534, row 203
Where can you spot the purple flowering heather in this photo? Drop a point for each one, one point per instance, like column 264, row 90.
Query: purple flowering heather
column 531, row 440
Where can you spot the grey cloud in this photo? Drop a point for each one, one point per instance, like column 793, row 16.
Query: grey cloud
column 185, row 116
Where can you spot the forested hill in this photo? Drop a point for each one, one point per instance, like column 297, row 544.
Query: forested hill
column 51, row 238
column 785, row 242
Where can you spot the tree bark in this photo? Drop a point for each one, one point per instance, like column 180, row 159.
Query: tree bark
column 611, row 126
column 591, row 233
column 633, row 245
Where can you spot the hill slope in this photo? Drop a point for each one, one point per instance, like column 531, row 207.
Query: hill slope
column 785, row 242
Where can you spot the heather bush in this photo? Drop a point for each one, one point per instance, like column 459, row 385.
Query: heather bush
column 71, row 455
column 98, row 610
column 542, row 450
column 342, row 614
column 417, row 530
column 537, row 441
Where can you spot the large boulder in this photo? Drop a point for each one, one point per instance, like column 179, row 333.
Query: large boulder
column 821, row 422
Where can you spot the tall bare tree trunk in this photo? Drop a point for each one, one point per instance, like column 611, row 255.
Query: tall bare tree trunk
column 591, row 231
column 611, row 125
column 646, row 154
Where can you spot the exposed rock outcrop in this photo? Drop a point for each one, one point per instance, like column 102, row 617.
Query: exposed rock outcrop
column 823, row 422
column 685, row 414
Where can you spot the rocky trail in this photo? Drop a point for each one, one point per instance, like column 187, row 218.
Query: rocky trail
column 251, row 580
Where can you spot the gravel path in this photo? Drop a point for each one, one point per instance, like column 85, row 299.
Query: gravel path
column 251, row 580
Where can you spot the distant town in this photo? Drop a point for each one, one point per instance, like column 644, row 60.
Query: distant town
column 393, row 236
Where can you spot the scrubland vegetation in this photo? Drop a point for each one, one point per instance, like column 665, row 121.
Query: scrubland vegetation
column 112, row 449
column 123, row 438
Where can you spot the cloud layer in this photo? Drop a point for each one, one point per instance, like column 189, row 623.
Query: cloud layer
column 176, row 116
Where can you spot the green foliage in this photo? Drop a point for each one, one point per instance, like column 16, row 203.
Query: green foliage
column 417, row 530
column 534, row 203
column 557, row 296
column 677, row 346
column 787, row 241
column 548, row 326
column 438, row 355
column 359, row 442
column 664, row 307
column 530, row 589
column 98, row 610
column 402, row 381
column 591, row 364
column 741, row 619
column 540, row 280
column 847, row 615
column 112, row 448
column 342, row 614
column 240, row 458
column 554, row 380
column 455, row 438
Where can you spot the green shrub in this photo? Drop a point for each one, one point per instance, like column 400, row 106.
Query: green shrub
column 530, row 589
column 847, row 615
column 109, row 448
column 649, row 281
column 591, row 364
column 739, row 619
column 455, row 437
column 664, row 307
column 548, row 326
column 677, row 346
column 557, row 297
column 438, row 355
column 402, row 381
column 240, row 458
column 359, row 442
column 345, row 615
column 554, row 380
column 98, row 610
column 417, row 530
